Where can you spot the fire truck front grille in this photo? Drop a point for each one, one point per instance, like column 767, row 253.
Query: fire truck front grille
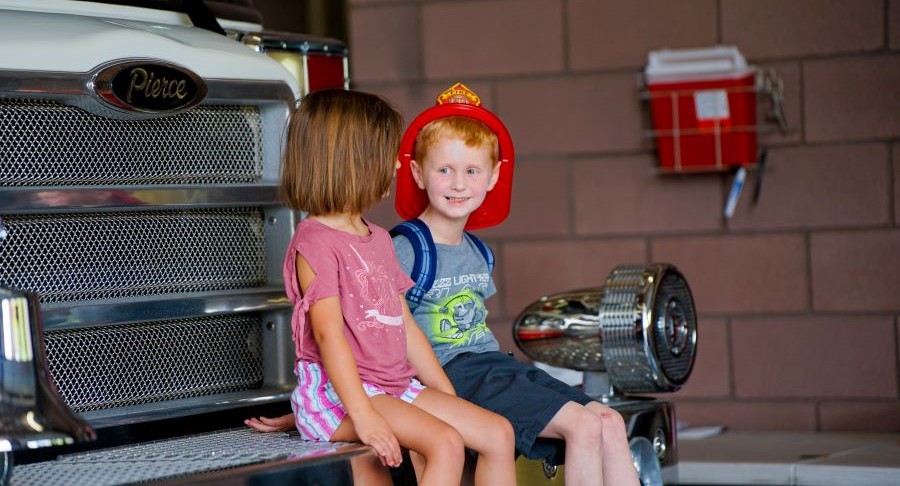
column 116, row 366
column 87, row 256
column 44, row 143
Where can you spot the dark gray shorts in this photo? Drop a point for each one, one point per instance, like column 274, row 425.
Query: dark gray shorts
column 527, row 396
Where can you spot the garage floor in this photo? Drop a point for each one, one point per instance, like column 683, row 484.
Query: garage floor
column 790, row 458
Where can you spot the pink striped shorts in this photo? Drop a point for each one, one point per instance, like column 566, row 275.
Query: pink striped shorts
column 318, row 410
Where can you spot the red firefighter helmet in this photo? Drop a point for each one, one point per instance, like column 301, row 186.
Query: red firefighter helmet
column 458, row 100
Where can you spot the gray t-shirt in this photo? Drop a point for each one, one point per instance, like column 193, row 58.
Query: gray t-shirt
column 452, row 314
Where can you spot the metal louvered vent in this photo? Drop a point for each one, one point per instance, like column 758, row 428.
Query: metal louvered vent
column 44, row 143
column 86, row 256
column 115, row 366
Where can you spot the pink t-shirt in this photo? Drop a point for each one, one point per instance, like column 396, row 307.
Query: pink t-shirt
column 363, row 272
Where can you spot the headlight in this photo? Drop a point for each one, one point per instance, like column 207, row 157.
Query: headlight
column 640, row 327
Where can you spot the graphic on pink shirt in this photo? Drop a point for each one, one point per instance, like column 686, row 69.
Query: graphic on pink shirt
column 376, row 289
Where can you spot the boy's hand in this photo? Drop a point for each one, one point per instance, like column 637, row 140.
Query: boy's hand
column 266, row 424
column 374, row 431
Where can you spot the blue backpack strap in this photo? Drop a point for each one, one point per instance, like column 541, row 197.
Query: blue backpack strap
column 484, row 249
column 425, row 264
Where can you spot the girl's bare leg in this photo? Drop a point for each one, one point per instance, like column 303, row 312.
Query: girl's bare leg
column 418, row 464
column 438, row 442
column 487, row 433
column 367, row 469
column 286, row 423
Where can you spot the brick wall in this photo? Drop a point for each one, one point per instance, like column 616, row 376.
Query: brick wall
column 799, row 296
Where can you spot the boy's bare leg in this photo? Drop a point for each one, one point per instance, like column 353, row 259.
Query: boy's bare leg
column 489, row 434
column 618, row 466
column 583, row 432
column 438, row 442
column 593, row 454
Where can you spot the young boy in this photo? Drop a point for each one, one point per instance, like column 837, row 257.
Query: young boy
column 456, row 173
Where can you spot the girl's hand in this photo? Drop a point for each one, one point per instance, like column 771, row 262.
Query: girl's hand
column 375, row 432
column 266, row 424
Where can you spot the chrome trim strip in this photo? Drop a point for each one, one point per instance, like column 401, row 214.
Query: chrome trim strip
column 39, row 83
column 46, row 84
column 68, row 315
column 189, row 406
column 41, row 199
column 231, row 90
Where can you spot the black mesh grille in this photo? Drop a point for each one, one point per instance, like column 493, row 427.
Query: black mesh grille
column 86, row 256
column 116, row 366
column 44, row 143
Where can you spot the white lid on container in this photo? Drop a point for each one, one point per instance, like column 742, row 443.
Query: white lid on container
column 668, row 65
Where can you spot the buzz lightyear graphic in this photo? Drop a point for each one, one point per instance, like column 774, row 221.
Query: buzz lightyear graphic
column 460, row 319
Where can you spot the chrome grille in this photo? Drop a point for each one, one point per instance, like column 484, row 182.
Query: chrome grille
column 115, row 366
column 44, row 143
column 86, row 256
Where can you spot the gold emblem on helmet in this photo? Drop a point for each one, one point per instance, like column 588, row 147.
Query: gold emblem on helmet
column 459, row 93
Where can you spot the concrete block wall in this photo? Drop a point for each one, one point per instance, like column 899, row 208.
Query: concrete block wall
column 798, row 296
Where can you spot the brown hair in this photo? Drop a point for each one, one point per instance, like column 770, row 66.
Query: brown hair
column 469, row 130
column 341, row 150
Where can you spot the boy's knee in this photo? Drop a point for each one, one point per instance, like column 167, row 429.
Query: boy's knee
column 586, row 431
column 613, row 417
column 593, row 428
column 613, row 423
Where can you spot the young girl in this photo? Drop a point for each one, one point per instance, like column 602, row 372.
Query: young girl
column 358, row 349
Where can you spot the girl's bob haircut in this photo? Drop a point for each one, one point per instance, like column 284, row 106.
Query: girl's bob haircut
column 341, row 150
